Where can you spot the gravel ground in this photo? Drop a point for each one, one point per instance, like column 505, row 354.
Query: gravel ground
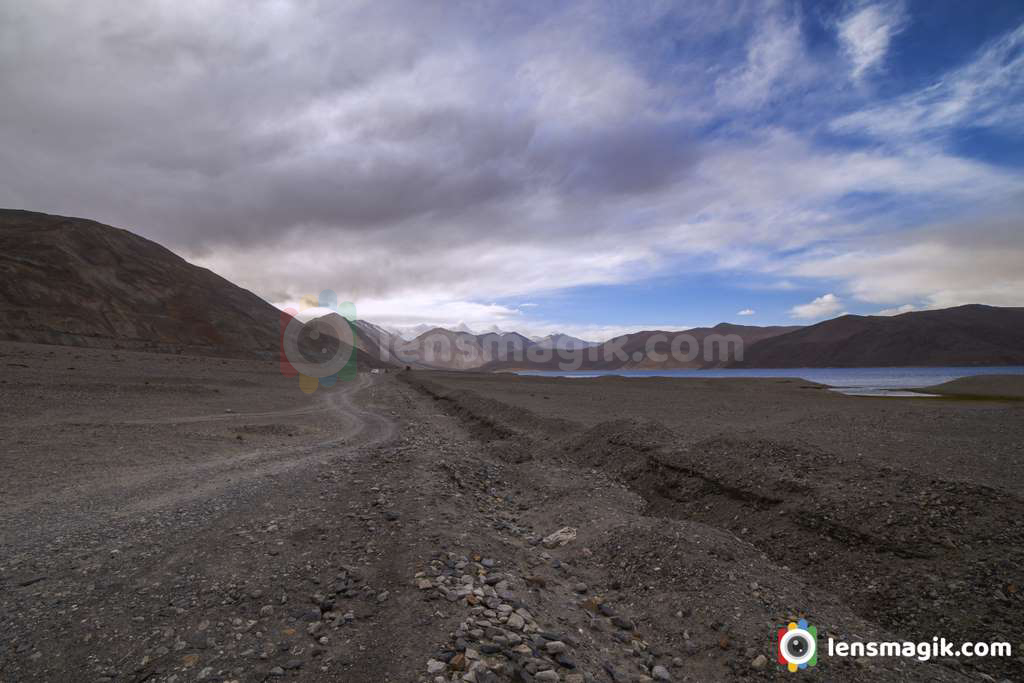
column 174, row 518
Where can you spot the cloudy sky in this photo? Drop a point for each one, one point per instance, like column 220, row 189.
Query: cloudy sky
column 583, row 166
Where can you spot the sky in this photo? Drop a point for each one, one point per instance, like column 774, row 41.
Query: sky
column 585, row 167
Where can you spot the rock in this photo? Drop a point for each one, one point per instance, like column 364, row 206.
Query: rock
column 424, row 584
column 555, row 646
column 548, row 675
column 580, row 587
column 292, row 664
column 277, row 672
column 759, row 662
column 623, row 623
column 205, row 673
column 435, row 667
column 559, row 538
column 617, row 675
column 660, row 673
column 516, row 622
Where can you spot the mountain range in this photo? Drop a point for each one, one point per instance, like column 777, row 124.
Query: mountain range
column 77, row 282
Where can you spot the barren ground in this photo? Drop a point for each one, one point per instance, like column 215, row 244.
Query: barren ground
column 174, row 518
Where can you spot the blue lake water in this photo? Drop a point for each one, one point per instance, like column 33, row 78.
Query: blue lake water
column 854, row 381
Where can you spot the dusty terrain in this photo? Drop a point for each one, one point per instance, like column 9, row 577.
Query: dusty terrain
column 177, row 518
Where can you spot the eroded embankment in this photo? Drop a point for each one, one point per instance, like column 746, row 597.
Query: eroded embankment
column 515, row 433
column 918, row 555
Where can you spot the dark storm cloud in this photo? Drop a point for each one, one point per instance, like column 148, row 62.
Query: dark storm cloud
column 199, row 125
column 464, row 149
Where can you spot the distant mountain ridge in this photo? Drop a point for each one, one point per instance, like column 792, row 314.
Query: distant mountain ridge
column 974, row 334
column 74, row 281
column 965, row 335
column 562, row 341
column 652, row 350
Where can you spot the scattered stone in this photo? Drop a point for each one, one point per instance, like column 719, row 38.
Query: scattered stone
column 759, row 662
column 435, row 667
column 660, row 673
column 559, row 538
column 623, row 623
column 538, row 581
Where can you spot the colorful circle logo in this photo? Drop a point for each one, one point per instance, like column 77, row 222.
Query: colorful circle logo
column 321, row 350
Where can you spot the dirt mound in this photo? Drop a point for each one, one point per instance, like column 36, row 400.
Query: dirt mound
column 516, row 432
column 920, row 556
column 619, row 445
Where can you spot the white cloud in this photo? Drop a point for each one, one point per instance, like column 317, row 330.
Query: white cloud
column 866, row 33
column 987, row 91
column 973, row 261
column 746, row 311
column 824, row 306
column 905, row 308
column 444, row 159
column 775, row 62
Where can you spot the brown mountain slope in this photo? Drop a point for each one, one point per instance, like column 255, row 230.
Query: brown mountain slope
column 965, row 335
column 649, row 350
column 78, row 282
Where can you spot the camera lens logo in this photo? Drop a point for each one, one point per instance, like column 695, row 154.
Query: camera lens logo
column 798, row 645
column 322, row 350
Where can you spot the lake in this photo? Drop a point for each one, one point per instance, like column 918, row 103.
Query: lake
column 853, row 381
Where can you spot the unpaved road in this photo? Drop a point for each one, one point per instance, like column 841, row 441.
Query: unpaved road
column 367, row 533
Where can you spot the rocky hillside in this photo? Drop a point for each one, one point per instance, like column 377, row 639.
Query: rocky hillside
column 965, row 335
column 77, row 282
